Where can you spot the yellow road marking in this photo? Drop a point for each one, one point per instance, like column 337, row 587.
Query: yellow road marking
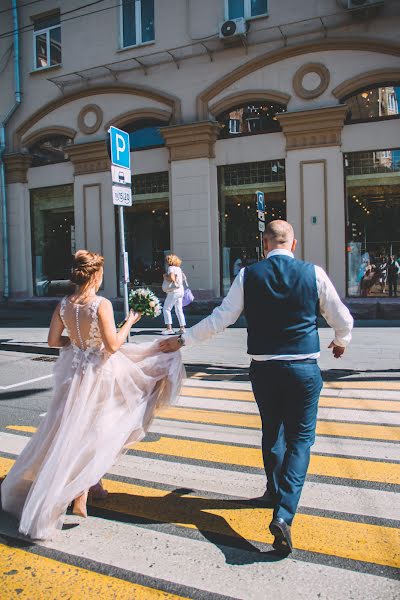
column 326, row 428
column 331, row 428
column 25, row 575
column 363, row 385
column 323, row 535
column 326, row 401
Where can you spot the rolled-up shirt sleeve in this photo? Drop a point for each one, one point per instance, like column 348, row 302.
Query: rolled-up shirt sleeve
column 224, row 315
column 336, row 314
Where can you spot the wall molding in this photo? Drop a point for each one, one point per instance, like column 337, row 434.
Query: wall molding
column 303, row 92
column 196, row 140
column 313, row 128
column 269, row 58
column 91, row 157
column 364, row 80
column 172, row 102
column 16, row 167
column 88, row 129
column 238, row 98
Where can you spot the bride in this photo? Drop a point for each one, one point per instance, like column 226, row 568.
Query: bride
column 105, row 396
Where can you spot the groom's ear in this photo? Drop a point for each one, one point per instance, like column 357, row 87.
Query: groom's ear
column 294, row 245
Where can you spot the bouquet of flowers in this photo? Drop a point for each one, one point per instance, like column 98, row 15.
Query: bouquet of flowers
column 145, row 301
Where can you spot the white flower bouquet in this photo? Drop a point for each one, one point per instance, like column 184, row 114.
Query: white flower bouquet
column 145, row 302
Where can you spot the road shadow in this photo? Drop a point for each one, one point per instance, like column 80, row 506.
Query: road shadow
column 177, row 508
column 17, row 394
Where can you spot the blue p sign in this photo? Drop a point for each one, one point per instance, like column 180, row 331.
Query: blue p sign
column 260, row 201
column 120, row 150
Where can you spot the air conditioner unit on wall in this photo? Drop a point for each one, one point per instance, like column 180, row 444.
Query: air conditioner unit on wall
column 362, row 4
column 232, row 28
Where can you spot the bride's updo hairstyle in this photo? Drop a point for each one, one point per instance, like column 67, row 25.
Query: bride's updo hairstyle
column 84, row 266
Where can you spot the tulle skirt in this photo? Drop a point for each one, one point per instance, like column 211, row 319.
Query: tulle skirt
column 101, row 405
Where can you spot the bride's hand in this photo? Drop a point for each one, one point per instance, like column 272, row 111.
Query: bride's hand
column 134, row 317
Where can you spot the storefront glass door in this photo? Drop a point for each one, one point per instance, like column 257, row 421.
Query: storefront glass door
column 239, row 235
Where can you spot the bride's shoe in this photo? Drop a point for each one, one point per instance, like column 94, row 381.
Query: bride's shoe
column 79, row 508
column 97, row 492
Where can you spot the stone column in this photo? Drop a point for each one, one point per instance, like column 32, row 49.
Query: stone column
column 19, row 228
column 315, row 187
column 94, row 210
column 194, row 203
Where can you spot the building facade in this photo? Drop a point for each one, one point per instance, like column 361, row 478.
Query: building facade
column 302, row 105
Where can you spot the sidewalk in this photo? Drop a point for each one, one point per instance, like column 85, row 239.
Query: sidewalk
column 373, row 349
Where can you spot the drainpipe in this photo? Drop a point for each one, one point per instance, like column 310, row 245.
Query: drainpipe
column 17, row 102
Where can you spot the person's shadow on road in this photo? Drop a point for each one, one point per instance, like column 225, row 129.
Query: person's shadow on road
column 177, row 508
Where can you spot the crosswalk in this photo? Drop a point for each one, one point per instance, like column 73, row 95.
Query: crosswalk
column 178, row 522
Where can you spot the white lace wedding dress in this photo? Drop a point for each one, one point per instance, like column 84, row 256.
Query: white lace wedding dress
column 102, row 403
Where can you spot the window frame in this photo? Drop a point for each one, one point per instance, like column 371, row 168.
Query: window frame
column 138, row 27
column 247, row 11
column 46, row 31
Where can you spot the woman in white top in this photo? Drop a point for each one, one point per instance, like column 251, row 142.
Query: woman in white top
column 175, row 293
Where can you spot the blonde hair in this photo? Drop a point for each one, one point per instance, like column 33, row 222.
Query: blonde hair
column 173, row 260
column 85, row 265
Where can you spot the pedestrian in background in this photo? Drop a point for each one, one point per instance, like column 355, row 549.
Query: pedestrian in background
column 173, row 287
column 393, row 269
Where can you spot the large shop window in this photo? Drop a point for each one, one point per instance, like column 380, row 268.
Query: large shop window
column 137, row 22
column 47, row 42
column 147, row 229
column 240, row 238
column 250, row 118
column 53, row 239
column 373, row 222
column 373, row 104
column 248, row 9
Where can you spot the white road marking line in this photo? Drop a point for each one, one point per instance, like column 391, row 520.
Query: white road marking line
column 14, row 385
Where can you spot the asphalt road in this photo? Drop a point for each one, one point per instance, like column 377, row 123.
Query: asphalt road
column 176, row 523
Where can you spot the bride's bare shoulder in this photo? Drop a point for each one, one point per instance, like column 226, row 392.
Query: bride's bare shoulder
column 105, row 307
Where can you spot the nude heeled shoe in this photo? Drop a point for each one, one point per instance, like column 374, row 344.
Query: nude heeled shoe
column 79, row 507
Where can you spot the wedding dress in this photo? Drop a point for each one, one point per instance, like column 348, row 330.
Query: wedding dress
column 102, row 403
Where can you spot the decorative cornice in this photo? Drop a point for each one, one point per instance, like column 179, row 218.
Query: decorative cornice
column 136, row 115
column 363, row 80
column 134, row 90
column 269, row 58
column 16, row 166
column 237, row 99
column 45, row 132
column 196, row 140
column 89, row 158
column 313, row 128
column 298, row 86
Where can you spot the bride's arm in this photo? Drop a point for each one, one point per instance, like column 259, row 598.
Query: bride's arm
column 111, row 339
column 55, row 339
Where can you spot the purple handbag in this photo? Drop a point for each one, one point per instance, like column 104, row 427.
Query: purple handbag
column 187, row 297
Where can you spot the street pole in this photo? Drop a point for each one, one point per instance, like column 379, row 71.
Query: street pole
column 123, row 258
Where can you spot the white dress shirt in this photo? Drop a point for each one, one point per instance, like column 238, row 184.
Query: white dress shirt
column 332, row 309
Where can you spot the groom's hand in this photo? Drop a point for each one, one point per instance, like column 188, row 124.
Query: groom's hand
column 170, row 345
column 337, row 351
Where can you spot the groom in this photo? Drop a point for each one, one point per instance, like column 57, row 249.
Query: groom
column 281, row 297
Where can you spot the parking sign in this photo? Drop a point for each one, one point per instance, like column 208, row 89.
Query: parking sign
column 120, row 148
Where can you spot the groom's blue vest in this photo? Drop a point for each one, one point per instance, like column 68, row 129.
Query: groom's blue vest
column 281, row 306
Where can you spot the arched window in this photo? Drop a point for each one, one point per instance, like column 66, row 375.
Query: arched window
column 374, row 103
column 250, row 118
column 145, row 133
column 49, row 150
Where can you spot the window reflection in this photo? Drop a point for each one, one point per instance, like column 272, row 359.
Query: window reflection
column 251, row 118
column 374, row 103
column 49, row 150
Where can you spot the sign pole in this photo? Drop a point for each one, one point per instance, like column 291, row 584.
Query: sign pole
column 260, row 202
column 123, row 258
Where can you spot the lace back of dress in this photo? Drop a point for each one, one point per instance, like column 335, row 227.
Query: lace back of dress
column 81, row 323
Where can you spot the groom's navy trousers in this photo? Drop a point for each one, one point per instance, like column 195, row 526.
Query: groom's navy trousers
column 287, row 394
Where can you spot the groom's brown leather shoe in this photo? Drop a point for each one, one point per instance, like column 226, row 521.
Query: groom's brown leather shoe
column 283, row 539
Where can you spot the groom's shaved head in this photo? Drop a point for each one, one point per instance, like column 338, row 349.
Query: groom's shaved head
column 279, row 234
